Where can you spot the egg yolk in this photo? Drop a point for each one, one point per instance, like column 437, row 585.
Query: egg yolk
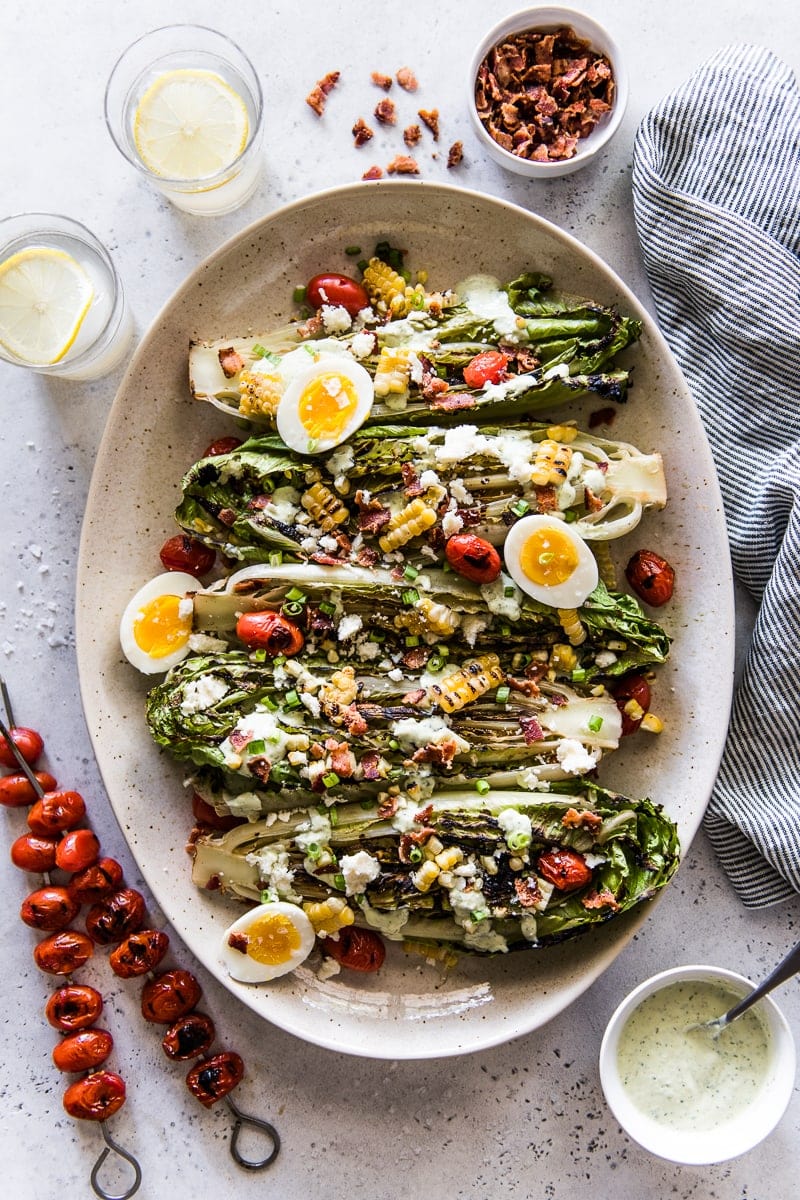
column 327, row 403
column 159, row 629
column 548, row 557
column 272, row 939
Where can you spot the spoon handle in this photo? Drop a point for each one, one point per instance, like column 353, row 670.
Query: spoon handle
column 785, row 969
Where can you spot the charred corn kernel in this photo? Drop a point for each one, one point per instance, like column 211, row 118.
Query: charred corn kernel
column 515, row 863
column 409, row 523
column 259, row 395
column 432, row 951
column 340, row 690
column 428, row 617
column 324, row 507
column 599, row 690
column 467, row 684
column 329, row 916
column 433, row 847
column 389, row 292
column 572, row 625
column 551, row 463
column 489, row 864
column 449, row 858
column 652, row 723
column 562, row 433
column 392, row 372
column 634, row 710
column 563, row 658
column 426, row 876
column 605, row 564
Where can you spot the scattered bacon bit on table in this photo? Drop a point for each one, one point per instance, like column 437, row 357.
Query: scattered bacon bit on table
column 381, row 81
column 403, row 164
column 385, row 111
column 373, row 172
column 412, row 134
column 430, row 117
column 538, row 93
column 407, row 79
column 455, row 154
column 362, row 132
column 319, row 93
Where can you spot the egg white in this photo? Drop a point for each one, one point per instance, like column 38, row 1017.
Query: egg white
column 290, row 426
column 240, row 965
column 171, row 583
column 573, row 591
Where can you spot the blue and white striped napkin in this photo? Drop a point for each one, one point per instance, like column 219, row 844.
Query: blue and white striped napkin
column 716, row 190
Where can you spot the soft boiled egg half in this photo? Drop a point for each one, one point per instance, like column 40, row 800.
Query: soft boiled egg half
column 550, row 562
column 156, row 626
column 324, row 403
column 268, row 941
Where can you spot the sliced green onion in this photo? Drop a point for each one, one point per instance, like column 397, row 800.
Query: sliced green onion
column 313, row 851
column 291, row 699
column 505, row 630
column 480, row 914
column 333, row 812
column 275, row 558
column 362, row 265
column 377, row 635
column 518, row 841
column 412, row 639
column 257, row 746
column 295, row 594
column 418, row 300
column 509, row 590
column 259, row 351
column 299, row 295
column 394, row 744
column 482, row 786
column 579, row 675
column 269, row 703
column 410, row 596
column 279, row 660
column 415, row 854
column 293, row 609
column 311, row 445
column 410, row 573
column 520, row 508
column 268, row 896
column 352, row 251
column 570, row 515
column 404, row 271
column 327, row 608
column 340, row 882
column 595, row 724
column 443, row 651
column 260, row 655
column 503, row 694
column 435, row 663
column 546, row 557
column 330, row 779
column 446, row 568
column 310, row 350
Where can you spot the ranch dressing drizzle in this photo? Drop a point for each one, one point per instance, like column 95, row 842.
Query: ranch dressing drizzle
column 690, row 1080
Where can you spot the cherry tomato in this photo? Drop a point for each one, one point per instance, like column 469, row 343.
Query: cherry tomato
column 48, row 908
column 33, row 853
column 565, row 869
column 115, row 917
column 330, row 288
column 74, row 1006
column 223, row 445
column 209, row 1081
column 16, row 791
column 139, row 953
column 64, row 952
column 651, row 577
column 632, row 687
column 56, row 812
column 487, row 367
column 77, row 850
column 189, row 1037
column 27, row 741
column 358, row 949
column 473, row 558
column 99, row 880
column 83, row 1050
column 170, row 996
column 184, row 553
column 271, row 632
column 96, row 1097
column 206, row 814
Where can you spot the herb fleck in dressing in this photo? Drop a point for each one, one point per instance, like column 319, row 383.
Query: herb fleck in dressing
column 691, row 1080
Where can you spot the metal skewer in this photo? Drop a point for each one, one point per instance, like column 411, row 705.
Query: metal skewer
column 240, row 1120
column 112, row 1147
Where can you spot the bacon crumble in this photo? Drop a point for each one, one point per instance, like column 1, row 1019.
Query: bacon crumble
column 403, row 164
column 455, row 154
column 318, row 95
column 386, row 112
column 407, row 79
column 362, row 132
column 430, row 118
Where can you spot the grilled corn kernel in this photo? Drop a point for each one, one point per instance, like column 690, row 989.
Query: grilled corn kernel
column 432, row 951
column 563, row 658
column 605, row 564
column 324, row 507
column 426, row 876
column 551, row 463
column 428, row 617
column 449, row 858
column 389, row 292
column 634, row 710
column 259, row 395
column 467, row 684
column 562, row 433
column 329, row 916
column 409, row 523
column 572, row 626
column 652, row 723
column 433, row 847
column 340, row 690
column 392, row 372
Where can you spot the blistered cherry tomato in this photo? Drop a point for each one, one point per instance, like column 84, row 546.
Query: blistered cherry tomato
column 209, row 1081
column 632, row 688
column 358, row 949
column 74, row 1006
column 99, row 880
column 337, row 290
column 83, row 1050
column 271, row 632
column 115, row 917
column 48, row 908
column 184, row 553
column 189, row 1037
column 56, row 812
column 170, row 996
column 17, row 792
column 223, row 445
column 565, row 869
column 206, row 814
column 30, row 852
column 77, row 850
column 651, row 577
column 139, row 953
column 96, row 1097
column 27, row 741
column 63, row 952
column 473, row 558
column 487, row 367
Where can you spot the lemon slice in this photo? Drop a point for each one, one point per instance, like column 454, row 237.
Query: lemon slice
column 189, row 125
column 45, row 295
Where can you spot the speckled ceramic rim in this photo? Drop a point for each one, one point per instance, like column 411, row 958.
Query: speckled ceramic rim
column 588, row 29
column 737, row 1136
column 484, row 1002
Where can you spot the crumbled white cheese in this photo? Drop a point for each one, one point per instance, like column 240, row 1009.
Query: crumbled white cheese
column 358, row 870
column 605, row 658
column 427, row 731
column 451, row 524
column 458, row 491
column 329, row 543
column 272, row 864
column 559, row 371
column 368, row 650
column 594, row 860
column 311, row 703
column 259, row 725
column 315, row 831
column 284, row 506
column 348, row 627
column 202, row 643
column 335, row 318
column 202, row 693
column 464, row 903
column 494, row 595
column 471, row 626
column 328, row 968
column 185, row 608
column 513, row 822
column 395, row 674
column 309, row 544
column 363, row 344
column 574, row 757
column 428, row 479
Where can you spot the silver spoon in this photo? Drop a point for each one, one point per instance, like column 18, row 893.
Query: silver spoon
column 785, row 969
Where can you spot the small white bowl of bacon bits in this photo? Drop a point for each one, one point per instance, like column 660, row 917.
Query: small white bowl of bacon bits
column 547, row 91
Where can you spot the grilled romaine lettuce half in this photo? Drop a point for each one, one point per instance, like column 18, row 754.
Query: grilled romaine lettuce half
column 271, row 737
column 477, row 873
column 560, row 349
column 262, row 496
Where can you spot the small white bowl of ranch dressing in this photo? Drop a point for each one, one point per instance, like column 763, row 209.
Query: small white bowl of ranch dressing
column 683, row 1094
